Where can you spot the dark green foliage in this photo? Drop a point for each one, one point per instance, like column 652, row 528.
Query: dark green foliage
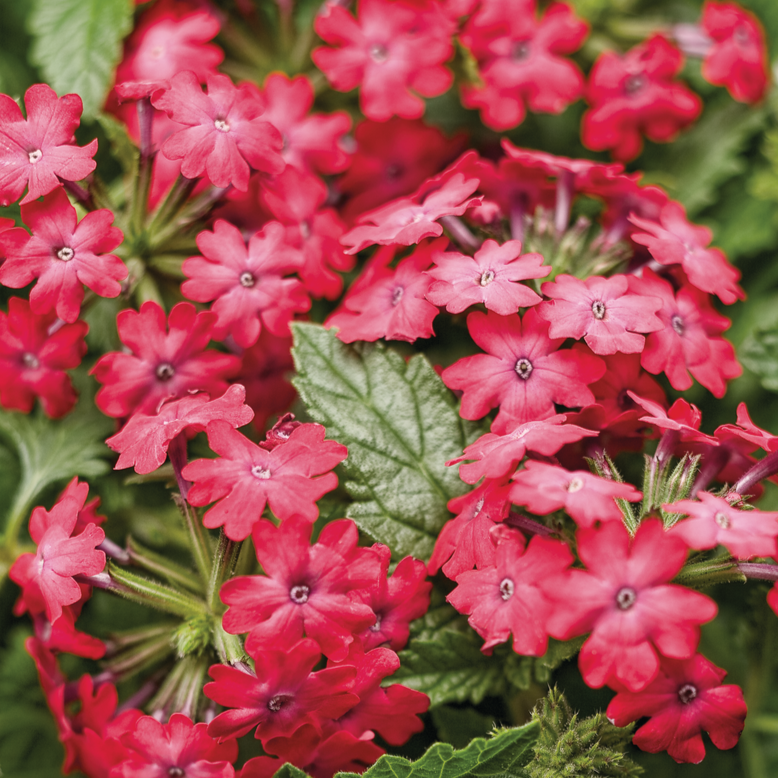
column 400, row 425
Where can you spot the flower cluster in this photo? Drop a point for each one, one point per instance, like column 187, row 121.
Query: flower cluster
column 566, row 300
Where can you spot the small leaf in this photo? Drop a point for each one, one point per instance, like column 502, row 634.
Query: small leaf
column 450, row 668
column 400, row 425
column 78, row 43
column 759, row 353
column 501, row 755
column 290, row 771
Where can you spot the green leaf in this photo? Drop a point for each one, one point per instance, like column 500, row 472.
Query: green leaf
column 400, row 424
column 759, row 353
column 696, row 165
column 50, row 451
column 450, row 668
column 459, row 726
column 290, row 771
column 28, row 736
column 78, row 43
column 500, row 756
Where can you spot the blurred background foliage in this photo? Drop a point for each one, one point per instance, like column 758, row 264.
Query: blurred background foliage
column 724, row 170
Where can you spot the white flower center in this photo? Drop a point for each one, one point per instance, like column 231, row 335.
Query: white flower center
column 35, row 156
column 377, row 626
column 677, row 324
column 279, row 701
column 299, row 594
column 486, row 277
column 66, row 254
column 378, row 53
column 165, row 371
column 397, row 295
column 598, row 309
column 687, row 693
column 576, row 484
column 626, row 598
column 222, row 125
column 31, row 361
column 247, row 280
column 260, row 472
column 523, row 368
column 506, row 588
column 635, row 84
column 723, row 520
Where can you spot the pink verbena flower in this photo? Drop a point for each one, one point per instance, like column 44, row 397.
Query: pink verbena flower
column 296, row 199
column 306, row 590
column 392, row 158
column 396, row 600
column 282, row 694
column 675, row 241
column 601, row 311
column 46, row 577
column 393, row 51
column 247, row 477
column 636, row 94
column 170, row 37
column 738, row 57
column 265, row 370
column 393, row 711
column 688, row 343
column 488, row 277
column 63, row 254
column 524, row 372
column 407, row 220
column 312, row 143
column 143, row 441
column 587, row 498
column 389, row 303
column 38, row 151
column 625, row 600
column 748, row 431
column 712, row 521
column 164, row 361
column 34, row 358
column 224, row 135
column 682, row 417
column 519, row 60
column 683, row 701
column 465, row 542
column 508, row 598
column 178, row 748
column 496, row 456
column 248, row 283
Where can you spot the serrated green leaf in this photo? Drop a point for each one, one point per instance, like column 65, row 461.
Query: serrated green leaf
column 450, row 668
column 78, row 43
column 50, row 451
column 696, row 165
column 290, row 771
column 400, row 425
column 500, row 756
column 759, row 353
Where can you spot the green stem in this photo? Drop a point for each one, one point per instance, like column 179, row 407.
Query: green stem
column 224, row 562
column 140, row 656
column 177, row 195
column 699, row 575
column 190, row 688
column 20, row 511
column 228, row 647
column 199, row 542
column 147, row 592
column 163, row 567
